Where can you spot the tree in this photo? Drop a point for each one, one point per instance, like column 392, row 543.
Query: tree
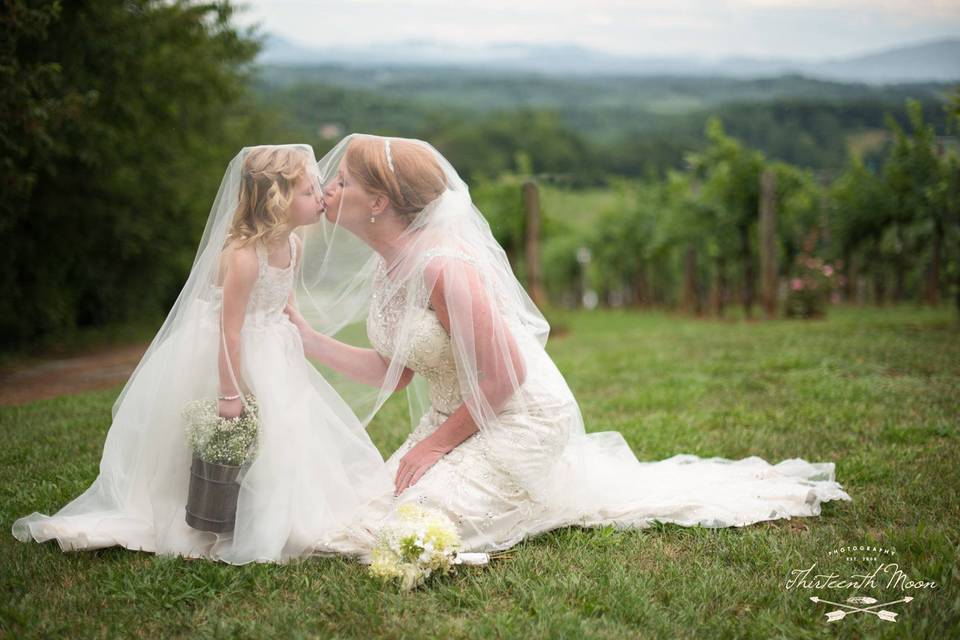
column 118, row 119
column 917, row 183
column 622, row 242
column 730, row 174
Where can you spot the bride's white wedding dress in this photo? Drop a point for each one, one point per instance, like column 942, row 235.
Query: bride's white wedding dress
column 315, row 462
column 593, row 479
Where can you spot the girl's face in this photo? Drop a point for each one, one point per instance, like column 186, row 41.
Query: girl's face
column 346, row 202
column 307, row 204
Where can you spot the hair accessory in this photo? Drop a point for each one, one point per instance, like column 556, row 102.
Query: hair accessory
column 386, row 144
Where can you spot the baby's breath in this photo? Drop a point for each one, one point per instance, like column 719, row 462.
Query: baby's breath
column 230, row 441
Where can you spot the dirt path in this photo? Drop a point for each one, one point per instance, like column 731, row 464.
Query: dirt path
column 49, row 378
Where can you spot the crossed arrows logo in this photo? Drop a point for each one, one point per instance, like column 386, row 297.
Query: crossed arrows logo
column 849, row 609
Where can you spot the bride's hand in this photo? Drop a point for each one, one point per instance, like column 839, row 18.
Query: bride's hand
column 297, row 319
column 308, row 336
column 417, row 462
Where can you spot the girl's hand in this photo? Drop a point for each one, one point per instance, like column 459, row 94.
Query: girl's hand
column 417, row 462
column 230, row 408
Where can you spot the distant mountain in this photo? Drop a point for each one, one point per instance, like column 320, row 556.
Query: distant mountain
column 937, row 61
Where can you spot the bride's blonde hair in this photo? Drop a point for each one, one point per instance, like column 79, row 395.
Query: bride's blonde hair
column 267, row 181
column 414, row 180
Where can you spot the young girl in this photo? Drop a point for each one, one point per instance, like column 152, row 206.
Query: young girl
column 227, row 337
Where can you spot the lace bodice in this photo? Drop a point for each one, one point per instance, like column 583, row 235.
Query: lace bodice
column 430, row 351
column 271, row 290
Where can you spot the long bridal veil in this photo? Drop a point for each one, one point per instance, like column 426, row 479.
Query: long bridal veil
column 498, row 338
column 314, row 462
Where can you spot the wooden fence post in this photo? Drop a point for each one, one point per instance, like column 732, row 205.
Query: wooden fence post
column 768, row 248
column 531, row 206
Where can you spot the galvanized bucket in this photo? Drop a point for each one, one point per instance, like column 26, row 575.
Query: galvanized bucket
column 212, row 498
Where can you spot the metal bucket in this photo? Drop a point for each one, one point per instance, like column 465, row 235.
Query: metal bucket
column 212, row 498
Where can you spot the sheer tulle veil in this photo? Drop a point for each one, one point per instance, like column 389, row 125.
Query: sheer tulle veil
column 498, row 337
column 497, row 332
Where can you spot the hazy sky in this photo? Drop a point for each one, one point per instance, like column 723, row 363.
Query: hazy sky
column 807, row 29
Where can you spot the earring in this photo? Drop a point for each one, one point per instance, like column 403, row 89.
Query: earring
column 373, row 219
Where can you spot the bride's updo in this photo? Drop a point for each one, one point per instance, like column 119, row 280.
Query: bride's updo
column 413, row 181
column 268, row 179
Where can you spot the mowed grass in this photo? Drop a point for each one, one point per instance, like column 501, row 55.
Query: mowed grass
column 875, row 391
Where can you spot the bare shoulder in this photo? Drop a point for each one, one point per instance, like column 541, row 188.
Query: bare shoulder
column 452, row 278
column 456, row 265
column 241, row 261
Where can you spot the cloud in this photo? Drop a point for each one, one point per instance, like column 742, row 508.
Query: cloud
column 808, row 29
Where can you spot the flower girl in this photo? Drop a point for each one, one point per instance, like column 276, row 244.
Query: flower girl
column 226, row 443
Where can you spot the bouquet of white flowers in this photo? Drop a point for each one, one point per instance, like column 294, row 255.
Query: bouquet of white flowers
column 220, row 447
column 421, row 542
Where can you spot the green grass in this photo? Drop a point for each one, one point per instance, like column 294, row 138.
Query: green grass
column 581, row 209
column 875, row 391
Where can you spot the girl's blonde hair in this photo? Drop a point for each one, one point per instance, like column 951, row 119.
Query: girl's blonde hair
column 415, row 180
column 267, row 181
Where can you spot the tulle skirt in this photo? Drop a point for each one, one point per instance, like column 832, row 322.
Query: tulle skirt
column 315, row 463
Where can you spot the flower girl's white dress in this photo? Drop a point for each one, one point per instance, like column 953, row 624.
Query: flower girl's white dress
column 315, row 462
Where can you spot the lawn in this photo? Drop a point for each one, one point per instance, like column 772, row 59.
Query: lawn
column 876, row 391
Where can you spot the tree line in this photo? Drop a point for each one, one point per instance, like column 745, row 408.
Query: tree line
column 733, row 226
column 116, row 121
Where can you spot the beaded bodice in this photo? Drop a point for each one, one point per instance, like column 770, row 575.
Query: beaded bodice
column 429, row 351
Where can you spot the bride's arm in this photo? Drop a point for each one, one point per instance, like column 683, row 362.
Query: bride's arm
column 504, row 371
column 361, row 365
column 500, row 366
column 238, row 283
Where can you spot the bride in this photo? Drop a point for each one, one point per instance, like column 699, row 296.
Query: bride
column 498, row 441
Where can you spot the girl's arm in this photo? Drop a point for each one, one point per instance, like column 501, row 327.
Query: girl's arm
column 241, row 275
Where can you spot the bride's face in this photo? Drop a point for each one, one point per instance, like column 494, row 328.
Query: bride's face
column 307, row 204
column 346, row 202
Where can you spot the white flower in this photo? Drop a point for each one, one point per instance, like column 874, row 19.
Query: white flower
column 417, row 543
column 219, row 440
